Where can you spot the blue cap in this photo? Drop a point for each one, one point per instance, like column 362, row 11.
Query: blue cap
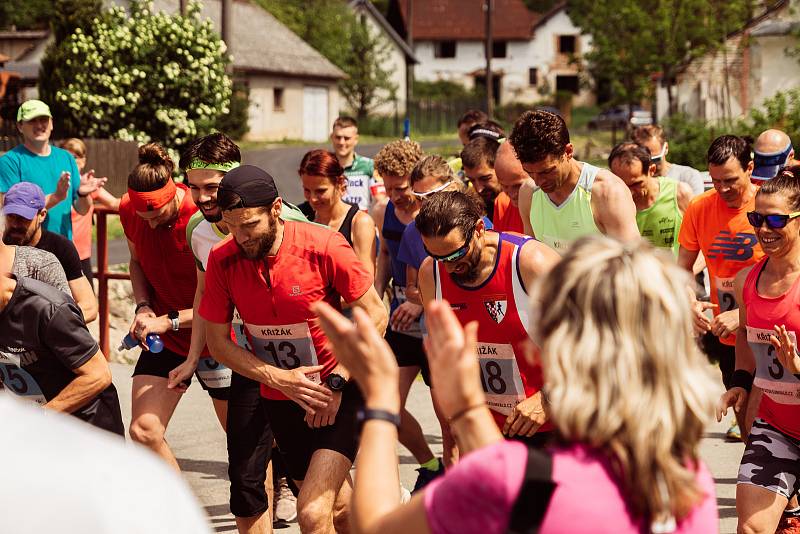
column 25, row 199
column 767, row 165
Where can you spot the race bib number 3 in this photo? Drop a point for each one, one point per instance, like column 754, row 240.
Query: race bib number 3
column 776, row 382
column 725, row 294
column 286, row 346
column 500, row 377
column 213, row 374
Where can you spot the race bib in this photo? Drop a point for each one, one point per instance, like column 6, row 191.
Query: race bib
column 725, row 294
column 213, row 374
column 776, row 382
column 17, row 380
column 287, row 346
column 500, row 377
column 239, row 331
column 400, row 296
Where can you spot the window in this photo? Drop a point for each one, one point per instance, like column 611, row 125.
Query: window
column 499, row 48
column 533, row 76
column 567, row 44
column 568, row 84
column 444, row 49
column 277, row 98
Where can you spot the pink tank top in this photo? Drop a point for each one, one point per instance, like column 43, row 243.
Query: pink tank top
column 780, row 405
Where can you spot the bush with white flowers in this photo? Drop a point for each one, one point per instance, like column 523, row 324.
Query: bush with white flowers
column 144, row 76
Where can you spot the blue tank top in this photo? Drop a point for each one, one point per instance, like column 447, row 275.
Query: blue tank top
column 392, row 232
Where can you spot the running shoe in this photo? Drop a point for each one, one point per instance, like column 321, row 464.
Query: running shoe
column 733, row 433
column 285, row 503
column 790, row 524
column 426, row 476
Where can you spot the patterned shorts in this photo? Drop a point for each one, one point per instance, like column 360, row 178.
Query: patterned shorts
column 771, row 460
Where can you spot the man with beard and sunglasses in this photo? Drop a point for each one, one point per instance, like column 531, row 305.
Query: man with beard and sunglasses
column 272, row 272
column 484, row 275
column 205, row 162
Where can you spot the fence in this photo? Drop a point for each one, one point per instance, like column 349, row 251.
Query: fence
column 428, row 116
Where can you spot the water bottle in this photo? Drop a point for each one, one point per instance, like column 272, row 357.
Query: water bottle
column 154, row 343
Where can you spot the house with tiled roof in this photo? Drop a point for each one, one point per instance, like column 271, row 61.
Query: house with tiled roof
column 533, row 54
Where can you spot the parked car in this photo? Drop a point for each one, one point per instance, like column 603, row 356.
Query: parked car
column 618, row 117
column 641, row 118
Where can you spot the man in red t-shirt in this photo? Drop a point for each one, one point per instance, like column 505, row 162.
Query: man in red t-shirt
column 511, row 177
column 484, row 275
column 272, row 272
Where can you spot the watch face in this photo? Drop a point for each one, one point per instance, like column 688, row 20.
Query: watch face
column 335, row 382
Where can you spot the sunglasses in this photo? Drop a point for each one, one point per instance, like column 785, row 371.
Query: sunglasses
column 774, row 222
column 455, row 255
column 658, row 157
column 432, row 191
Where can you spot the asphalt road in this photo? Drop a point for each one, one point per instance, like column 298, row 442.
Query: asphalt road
column 199, row 444
column 282, row 164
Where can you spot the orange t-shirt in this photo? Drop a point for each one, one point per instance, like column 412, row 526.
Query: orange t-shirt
column 727, row 241
column 82, row 230
column 506, row 216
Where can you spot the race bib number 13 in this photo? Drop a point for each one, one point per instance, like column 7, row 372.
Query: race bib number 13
column 286, row 346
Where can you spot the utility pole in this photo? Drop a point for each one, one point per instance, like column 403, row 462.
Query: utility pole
column 488, row 6
column 410, row 41
column 183, row 7
column 225, row 23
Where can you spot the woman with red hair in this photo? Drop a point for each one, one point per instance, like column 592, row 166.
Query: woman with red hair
column 324, row 185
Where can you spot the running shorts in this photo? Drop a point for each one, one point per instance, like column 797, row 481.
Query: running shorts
column 249, row 447
column 213, row 376
column 409, row 352
column 721, row 353
column 298, row 442
column 771, row 460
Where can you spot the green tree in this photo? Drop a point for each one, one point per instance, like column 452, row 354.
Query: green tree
column 633, row 40
column 25, row 14
column 332, row 28
column 143, row 76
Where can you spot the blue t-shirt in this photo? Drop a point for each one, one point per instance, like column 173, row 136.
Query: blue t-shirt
column 21, row 165
column 412, row 250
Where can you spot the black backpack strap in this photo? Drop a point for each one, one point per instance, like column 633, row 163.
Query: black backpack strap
column 534, row 495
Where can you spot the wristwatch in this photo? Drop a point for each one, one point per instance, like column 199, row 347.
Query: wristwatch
column 335, row 382
column 173, row 316
column 365, row 414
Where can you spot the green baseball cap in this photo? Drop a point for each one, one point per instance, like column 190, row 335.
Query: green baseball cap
column 30, row 109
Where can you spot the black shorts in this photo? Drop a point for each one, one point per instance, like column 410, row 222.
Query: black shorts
column 298, row 442
column 719, row 352
column 213, row 376
column 409, row 352
column 249, row 447
column 104, row 412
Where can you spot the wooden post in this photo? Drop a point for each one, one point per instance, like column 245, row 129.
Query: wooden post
column 488, row 6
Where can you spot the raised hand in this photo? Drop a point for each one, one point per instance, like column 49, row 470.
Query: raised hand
column 786, row 349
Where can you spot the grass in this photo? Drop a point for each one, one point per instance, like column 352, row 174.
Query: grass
column 245, row 146
column 113, row 229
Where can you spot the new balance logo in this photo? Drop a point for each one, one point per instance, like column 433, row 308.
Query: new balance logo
column 732, row 247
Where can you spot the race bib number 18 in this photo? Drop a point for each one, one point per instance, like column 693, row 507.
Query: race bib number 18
column 776, row 382
column 286, row 346
column 500, row 377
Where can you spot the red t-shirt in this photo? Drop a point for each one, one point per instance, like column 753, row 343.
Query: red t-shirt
column 274, row 296
column 168, row 264
column 506, row 217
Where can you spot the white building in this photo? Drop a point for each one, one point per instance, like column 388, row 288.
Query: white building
column 753, row 65
column 533, row 53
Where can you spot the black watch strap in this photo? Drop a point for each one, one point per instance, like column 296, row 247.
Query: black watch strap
column 366, row 414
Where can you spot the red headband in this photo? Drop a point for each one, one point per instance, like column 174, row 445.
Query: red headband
column 152, row 200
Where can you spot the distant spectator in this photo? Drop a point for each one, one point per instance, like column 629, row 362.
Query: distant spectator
column 363, row 189
column 51, row 168
column 82, row 224
column 652, row 137
column 470, row 118
column 24, row 211
column 773, row 151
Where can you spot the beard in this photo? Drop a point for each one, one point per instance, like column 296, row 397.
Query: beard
column 471, row 273
column 258, row 247
column 213, row 217
column 18, row 237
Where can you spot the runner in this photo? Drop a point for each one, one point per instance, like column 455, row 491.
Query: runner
column 24, row 213
column 485, row 274
column 660, row 202
column 394, row 162
column 715, row 223
column 154, row 214
column 769, row 474
column 573, row 199
column 48, row 356
column 468, row 119
column 773, row 151
column 272, row 272
column 249, row 437
column 629, row 403
column 511, row 177
column 652, row 137
column 478, row 159
column 363, row 189
column 324, row 185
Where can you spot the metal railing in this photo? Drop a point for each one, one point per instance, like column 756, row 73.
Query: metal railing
column 103, row 275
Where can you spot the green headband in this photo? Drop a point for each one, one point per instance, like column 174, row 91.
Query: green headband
column 222, row 167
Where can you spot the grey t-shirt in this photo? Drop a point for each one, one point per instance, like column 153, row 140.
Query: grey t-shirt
column 40, row 265
column 688, row 175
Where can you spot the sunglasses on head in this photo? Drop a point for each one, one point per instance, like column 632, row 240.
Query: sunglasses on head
column 432, row 191
column 775, row 221
column 455, row 255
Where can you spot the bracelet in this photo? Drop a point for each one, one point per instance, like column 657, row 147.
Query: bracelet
column 465, row 411
column 367, row 414
column 742, row 379
column 141, row 305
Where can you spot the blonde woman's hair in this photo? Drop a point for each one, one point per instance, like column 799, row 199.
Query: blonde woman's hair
column 622, row 369
column 432, row 165
column 75, row 146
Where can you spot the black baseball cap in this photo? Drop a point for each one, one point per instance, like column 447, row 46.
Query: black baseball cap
column 246, row 186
